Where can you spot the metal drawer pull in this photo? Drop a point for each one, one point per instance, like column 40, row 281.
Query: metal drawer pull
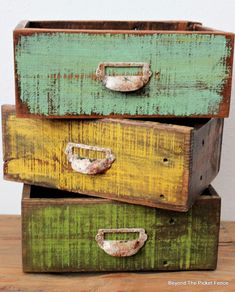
column 121, row 248
column 124, row 83
column 87, row 165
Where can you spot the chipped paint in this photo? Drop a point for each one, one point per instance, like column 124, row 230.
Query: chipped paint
column 59, row 235
column 121, row 248
column 153, row 160
column 130, row 141
column 192, row 73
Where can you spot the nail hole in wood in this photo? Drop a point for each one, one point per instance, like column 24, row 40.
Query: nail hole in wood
column 172, row 221
column 203, row 142
column 162, row 197
column 201, row 177
column 157, row 75
column 165, row 263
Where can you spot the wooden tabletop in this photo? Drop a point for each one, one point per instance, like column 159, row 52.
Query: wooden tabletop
column 13, row 279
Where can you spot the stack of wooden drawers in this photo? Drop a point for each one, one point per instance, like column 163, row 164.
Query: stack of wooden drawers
column 106, row 193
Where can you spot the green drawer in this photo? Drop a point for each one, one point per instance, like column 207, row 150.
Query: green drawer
column 66, row 233
column 129, row 69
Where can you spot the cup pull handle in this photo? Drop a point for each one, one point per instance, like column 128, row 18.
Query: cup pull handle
column 125, row 83
column 121, row 248
column 87, row 165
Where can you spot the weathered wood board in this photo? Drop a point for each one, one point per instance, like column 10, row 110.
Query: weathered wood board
column 56, row 65
column 59, row 233
column 156, row 164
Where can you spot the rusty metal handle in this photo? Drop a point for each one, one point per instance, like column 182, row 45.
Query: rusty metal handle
column 121, row 248
column 87, row 165
column 124, row 83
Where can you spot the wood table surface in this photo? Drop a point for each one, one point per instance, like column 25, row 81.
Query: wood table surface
column 13, row 279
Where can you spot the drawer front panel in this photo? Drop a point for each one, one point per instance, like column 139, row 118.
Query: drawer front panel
column 59, row 235
column 56, row 74
column 35, row 153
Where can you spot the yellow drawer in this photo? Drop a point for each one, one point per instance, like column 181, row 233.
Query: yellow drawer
column 149, row 163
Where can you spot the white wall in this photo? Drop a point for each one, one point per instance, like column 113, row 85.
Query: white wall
column 213, row 13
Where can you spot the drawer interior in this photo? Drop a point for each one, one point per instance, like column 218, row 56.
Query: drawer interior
column 187, row 122
column 117, row 25
column 38, row 192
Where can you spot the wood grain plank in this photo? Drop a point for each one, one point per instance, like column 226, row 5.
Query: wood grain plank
column 206, row 147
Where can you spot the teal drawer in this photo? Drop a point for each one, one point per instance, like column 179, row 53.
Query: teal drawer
column 128, row 69
column 62, row 232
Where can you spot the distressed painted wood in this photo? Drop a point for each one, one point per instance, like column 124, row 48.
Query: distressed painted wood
column 59, row 234
column 12, row 278
column 156, row 164
column 56, row 63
